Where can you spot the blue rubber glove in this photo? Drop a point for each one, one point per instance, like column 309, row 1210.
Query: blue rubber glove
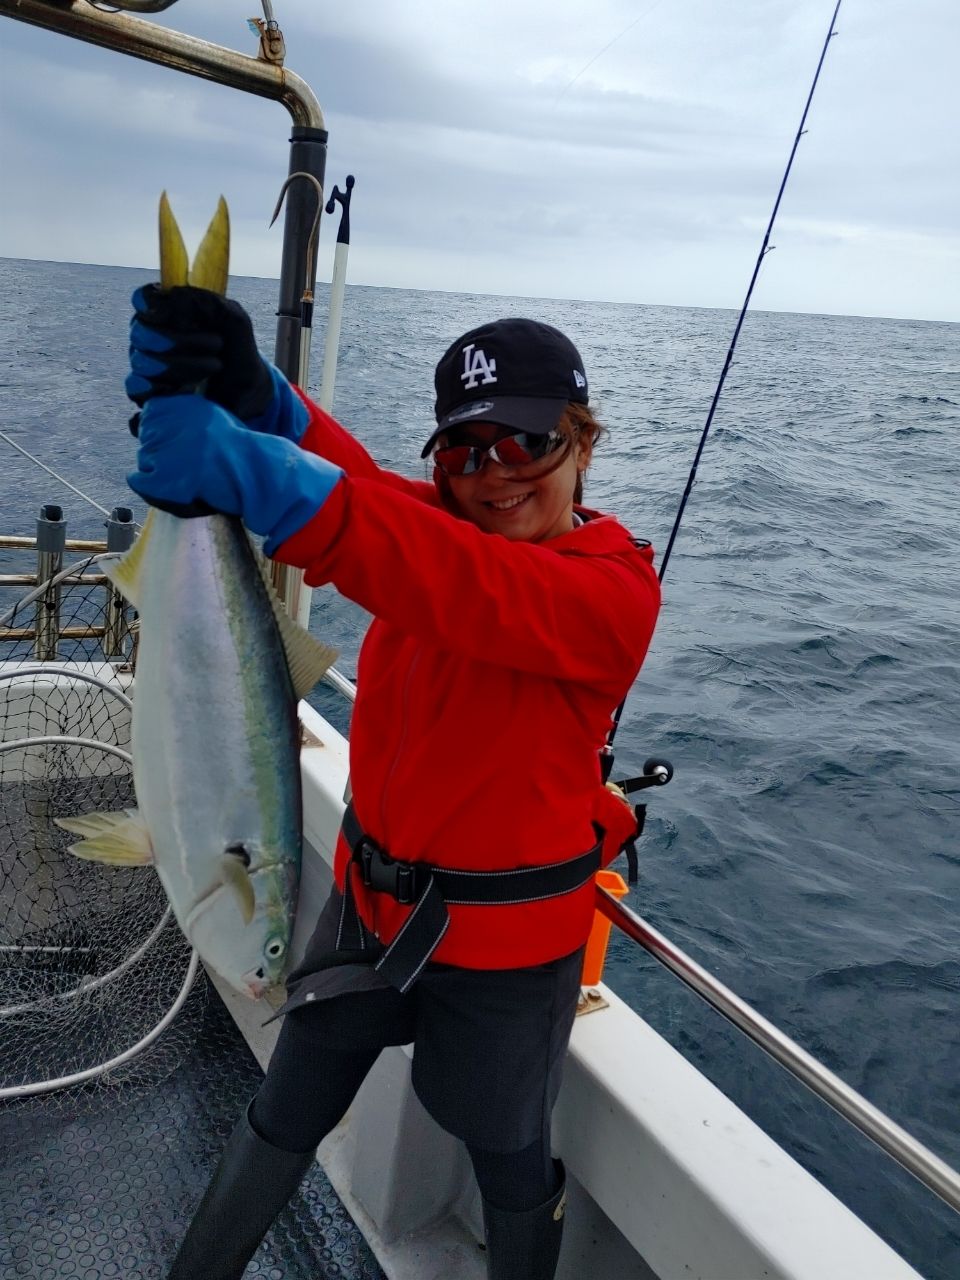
column 189, row 339
column 193, row 451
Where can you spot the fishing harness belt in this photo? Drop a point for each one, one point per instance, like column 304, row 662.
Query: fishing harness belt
column 430, row 890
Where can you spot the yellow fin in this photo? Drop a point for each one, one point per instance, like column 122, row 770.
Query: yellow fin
column 173, row 252
column 234, row 876
column 125, row 573
column 212, row 260
column 119, row 839
column 307, row 657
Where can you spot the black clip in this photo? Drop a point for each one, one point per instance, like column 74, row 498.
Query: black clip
column 384, row 874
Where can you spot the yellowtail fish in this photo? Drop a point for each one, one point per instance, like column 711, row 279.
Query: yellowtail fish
column 215, row 734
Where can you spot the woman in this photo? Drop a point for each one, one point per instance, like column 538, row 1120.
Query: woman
column 509, row 621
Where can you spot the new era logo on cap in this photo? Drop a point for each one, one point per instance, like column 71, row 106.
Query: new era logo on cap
column 523, row 372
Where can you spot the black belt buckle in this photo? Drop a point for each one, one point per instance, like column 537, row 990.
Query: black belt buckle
column 384, row 874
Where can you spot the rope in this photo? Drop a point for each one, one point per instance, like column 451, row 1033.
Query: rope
column 50, row 471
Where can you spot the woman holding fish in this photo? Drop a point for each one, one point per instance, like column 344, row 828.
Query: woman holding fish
column 509, row 620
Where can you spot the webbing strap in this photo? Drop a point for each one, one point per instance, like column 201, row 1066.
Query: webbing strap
column 431, row 889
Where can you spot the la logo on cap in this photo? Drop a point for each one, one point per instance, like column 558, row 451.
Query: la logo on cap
column 477, row 366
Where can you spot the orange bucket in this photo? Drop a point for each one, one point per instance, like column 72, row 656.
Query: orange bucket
column 596, row 951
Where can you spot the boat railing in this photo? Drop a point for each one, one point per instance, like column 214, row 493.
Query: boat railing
column 49, row 579
column 917, row 1159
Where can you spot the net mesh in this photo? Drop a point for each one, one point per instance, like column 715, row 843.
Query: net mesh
column 91, row 960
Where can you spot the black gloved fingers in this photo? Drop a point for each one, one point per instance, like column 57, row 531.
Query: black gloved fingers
column 187, row 309
column 187, row 322
column 184, row 309
column 167, row 373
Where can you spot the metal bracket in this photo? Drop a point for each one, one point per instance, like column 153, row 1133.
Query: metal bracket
column 590, row 1001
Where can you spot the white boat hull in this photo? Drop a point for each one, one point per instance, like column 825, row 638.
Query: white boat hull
column 668, row 1178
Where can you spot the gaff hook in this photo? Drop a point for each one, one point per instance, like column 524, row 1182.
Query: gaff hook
column 312, row 243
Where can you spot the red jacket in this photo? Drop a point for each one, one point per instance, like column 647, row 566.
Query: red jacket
column 485, row 688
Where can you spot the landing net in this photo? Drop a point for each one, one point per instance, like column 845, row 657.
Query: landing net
column 96, row 980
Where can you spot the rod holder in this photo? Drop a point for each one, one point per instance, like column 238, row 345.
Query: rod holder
column 121, row 532
column 51, row 543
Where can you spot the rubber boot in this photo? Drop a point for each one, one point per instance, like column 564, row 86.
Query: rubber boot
column 252, row 1183
column 525, row 1246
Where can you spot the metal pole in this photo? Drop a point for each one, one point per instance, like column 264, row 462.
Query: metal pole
column 905, row 1149
column 121, row 532
column 16, row 543
column 51, row 541
column 308, row 154
column 154, row 43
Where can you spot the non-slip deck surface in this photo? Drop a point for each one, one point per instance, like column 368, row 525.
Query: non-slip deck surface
column 102, row 1184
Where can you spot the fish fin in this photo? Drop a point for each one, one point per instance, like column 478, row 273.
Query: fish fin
column 307, row 657
column 173, row 252
column 234, row 875
column 118, row 839
column 125, row 573
column 212, row 260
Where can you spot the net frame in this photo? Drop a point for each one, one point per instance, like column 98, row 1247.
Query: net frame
column 88, row 708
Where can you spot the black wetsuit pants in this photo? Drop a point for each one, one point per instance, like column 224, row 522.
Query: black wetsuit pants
column 314, row 1074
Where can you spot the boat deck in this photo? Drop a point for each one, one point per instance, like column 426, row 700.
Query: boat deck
column 103, row 1183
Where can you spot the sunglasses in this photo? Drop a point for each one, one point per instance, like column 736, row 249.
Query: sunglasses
column 517, row 450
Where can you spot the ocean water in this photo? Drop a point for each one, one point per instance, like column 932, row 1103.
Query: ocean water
column 804, row 679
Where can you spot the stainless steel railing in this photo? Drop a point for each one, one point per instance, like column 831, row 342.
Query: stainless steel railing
column 168, row 48
column 905, row 1149
column 917, row 1159
column 50, row 579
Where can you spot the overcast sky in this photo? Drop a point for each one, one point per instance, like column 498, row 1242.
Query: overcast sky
column 490, row 157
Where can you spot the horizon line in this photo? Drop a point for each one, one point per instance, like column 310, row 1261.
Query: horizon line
column 609, row 302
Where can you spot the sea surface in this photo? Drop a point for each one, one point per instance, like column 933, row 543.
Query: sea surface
column 804, row 679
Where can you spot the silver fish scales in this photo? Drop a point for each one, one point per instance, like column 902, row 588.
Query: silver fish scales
column 215, row 731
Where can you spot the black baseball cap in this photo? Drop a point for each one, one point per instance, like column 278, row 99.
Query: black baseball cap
column 515, row 373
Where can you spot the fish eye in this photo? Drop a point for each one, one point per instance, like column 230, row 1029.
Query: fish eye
column 275, row 949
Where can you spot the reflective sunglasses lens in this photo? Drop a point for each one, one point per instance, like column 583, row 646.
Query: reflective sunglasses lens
column 523, row 448
column 455, row 459
column 518, row 450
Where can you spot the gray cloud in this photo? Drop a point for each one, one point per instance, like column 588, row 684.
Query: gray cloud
column 486, row 161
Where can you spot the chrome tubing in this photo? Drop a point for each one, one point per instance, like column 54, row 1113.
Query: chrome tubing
column 343, row 686
column 917, row 1159
column 168, row 48
column 142, row 6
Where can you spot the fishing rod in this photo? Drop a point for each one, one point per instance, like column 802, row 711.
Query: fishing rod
column 925, row 1165
column 765, row 248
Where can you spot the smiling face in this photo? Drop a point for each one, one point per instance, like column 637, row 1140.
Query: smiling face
column 526, row 503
